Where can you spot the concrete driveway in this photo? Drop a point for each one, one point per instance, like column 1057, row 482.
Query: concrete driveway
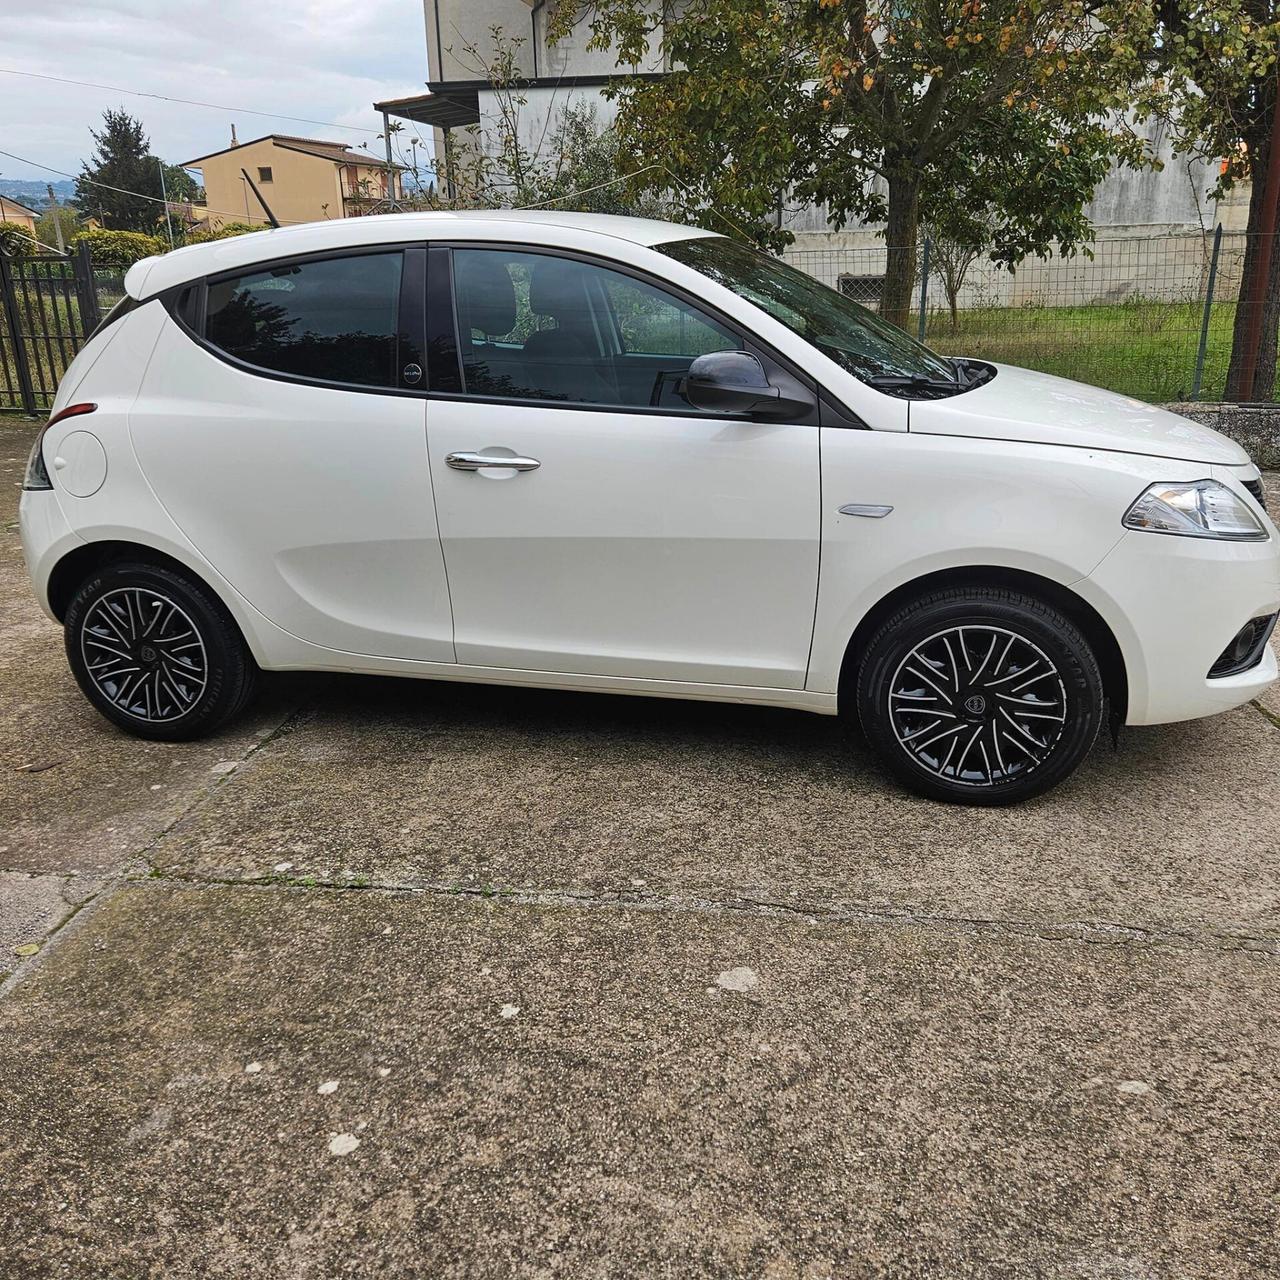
column 400, row 979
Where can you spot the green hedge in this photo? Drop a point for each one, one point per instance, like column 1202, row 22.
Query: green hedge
column 15, row 238
column 225, row 232
column 119, row 248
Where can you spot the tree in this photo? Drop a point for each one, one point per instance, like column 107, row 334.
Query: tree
column 54, row 217
column 877, row 109
column 574, row 163
column 179, row 184
column 15, row 238
column 121, row 164
column 1213, row 78
column 951, row 253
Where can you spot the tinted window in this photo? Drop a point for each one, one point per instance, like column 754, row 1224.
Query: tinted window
column 333, row 320
column 542, row 327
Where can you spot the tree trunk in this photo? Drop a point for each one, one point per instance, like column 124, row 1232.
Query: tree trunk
column 900, row 237
column 1260, row 143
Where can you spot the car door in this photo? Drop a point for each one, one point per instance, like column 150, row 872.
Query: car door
column 279, row 427
column 592, row 521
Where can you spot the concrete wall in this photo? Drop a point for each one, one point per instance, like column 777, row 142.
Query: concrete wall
column 1255, row 428
column 454, row 24
column 1127, row 202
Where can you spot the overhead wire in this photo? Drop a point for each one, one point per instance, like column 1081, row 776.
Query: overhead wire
column 189, row 102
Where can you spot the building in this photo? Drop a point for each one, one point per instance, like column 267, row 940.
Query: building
column 460, row 52
column 300, row 179
column 12, row 211
column 459, row 97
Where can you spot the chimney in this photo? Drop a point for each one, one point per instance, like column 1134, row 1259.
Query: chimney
column 234, row 141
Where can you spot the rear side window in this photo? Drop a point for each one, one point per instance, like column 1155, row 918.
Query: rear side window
column 334, row 319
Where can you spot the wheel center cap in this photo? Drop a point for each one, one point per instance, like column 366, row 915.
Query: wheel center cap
column 147, row 653
column 975, row 704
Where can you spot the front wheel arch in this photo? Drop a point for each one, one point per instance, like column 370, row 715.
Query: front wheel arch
column 1102, row 641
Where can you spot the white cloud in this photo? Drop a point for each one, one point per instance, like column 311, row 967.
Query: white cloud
column 328, row 60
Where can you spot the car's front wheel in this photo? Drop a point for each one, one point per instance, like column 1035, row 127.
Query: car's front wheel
column 156, row 653
column 980, row 695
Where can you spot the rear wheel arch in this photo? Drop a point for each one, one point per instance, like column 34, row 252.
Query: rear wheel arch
column 78, row 564
column 1102, row 640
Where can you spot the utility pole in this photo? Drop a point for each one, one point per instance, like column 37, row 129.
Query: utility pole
column 391, row 173
column 57, row 221
column 168, row 221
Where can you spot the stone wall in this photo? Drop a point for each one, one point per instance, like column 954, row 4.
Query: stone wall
column 1255, row 427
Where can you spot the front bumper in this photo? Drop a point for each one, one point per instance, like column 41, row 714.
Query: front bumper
column 1174, row 604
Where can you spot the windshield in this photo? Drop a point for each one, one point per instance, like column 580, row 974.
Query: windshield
column 856, row 339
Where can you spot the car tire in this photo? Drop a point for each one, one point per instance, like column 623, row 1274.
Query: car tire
column 157, row 653
column 979, row 696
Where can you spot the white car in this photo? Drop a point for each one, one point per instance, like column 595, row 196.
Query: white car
column 586, row 452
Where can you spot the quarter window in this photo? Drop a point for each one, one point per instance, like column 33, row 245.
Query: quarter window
column 541, row 327
column 333, row 320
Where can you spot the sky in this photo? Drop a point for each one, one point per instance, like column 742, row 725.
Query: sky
column 324, row 59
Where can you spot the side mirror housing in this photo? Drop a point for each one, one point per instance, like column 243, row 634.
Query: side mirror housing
column 735, row 382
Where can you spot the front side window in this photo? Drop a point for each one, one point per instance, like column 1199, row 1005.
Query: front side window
column 856, row 339
column 334, row 320
column 540, row 327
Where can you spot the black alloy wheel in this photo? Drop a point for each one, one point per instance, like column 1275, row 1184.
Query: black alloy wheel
column 156, row 653
column 980, row 695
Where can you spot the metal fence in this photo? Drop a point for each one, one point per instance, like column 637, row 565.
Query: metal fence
column 48, row 304
column 1151, row 317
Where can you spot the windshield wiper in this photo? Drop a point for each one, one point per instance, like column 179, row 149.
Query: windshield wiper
column 913, row 382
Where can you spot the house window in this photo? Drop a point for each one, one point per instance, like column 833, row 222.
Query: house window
column 264, row 174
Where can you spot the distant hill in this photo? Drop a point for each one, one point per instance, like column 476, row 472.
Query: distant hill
column 33, row 193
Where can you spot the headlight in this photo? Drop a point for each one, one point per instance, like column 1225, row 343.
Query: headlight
column 1205, row 509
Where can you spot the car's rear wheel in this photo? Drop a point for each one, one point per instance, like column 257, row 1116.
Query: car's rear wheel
column 980, row 696
column 156, row 653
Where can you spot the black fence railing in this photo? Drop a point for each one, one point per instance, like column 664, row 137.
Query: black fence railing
column 48, row 305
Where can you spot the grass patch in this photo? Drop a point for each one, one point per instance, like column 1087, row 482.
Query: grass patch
column 1142, row 349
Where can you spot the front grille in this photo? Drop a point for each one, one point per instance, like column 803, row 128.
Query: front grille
column 1245, row 649
column 1255, row 488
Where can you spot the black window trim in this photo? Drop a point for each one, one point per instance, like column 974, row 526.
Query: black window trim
column 431, row 325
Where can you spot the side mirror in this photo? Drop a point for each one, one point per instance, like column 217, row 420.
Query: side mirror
column 735, row 382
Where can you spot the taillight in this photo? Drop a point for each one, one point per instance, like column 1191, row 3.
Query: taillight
column 37, row 476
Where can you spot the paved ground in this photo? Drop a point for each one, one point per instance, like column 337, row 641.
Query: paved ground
column 399, row 979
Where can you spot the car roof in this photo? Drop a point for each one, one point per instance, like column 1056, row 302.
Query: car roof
column 156, row 274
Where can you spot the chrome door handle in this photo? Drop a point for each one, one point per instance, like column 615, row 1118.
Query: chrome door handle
column 477, row 461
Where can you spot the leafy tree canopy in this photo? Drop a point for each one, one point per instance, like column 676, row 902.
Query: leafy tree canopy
column 881, row 110
column 122, row 161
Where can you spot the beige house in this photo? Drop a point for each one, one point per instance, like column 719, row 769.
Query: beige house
column 12, row 211
column 300, row 179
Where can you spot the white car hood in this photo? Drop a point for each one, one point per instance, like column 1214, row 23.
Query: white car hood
column 1018, row 404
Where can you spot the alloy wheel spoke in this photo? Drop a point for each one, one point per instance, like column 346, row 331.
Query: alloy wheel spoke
column 960, row 698
column 144, row 654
